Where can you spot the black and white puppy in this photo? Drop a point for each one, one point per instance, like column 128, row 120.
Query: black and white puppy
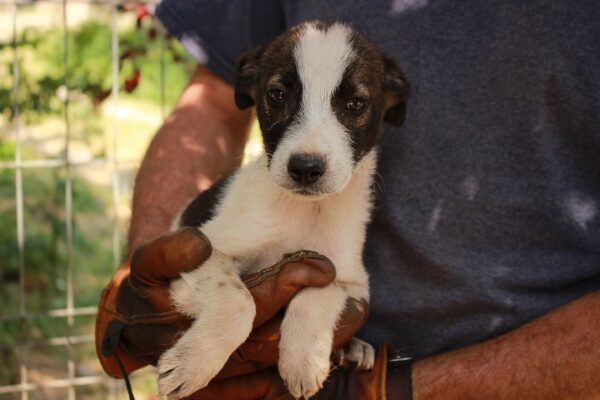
column 321, row 93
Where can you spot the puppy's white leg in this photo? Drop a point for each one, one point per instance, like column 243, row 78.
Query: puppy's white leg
column 307, row 337
column 224, row 311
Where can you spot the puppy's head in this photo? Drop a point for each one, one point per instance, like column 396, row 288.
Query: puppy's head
column 321, row 93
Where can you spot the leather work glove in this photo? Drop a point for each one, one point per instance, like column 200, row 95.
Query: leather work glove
column 136, row 320
column 387, row 380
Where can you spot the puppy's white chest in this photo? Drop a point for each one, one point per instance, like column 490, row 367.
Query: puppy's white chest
column 306, row 229
column 257, row 223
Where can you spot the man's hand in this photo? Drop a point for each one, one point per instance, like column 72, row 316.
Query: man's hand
column 137, row 319
column 272, row 289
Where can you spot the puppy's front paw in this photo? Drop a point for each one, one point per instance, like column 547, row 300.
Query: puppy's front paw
column 356, row 353
column 203, row 350
column 184, row 369
column 304, row 369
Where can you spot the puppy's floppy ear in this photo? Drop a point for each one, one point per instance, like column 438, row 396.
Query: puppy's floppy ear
column 246, row 76
column 395, row 91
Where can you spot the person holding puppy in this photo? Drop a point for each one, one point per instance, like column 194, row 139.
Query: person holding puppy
column 483, row 248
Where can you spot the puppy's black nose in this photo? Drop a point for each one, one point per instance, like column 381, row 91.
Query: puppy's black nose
column 306, row 168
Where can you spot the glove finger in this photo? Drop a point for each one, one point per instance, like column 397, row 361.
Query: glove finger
column 266, row 336
column 274, row 287
column 262, row 347
column 146, row 342
column 261, row 385
column 161, row 260
column 259, row 351
column 263, row 344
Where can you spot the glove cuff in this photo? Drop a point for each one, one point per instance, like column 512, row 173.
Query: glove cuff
column 107, row 340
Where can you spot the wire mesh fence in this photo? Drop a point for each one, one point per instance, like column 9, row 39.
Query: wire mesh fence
column 62, row 205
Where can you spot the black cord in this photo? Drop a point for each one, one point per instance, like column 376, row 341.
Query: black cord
column 125, row 376
column 109, row 348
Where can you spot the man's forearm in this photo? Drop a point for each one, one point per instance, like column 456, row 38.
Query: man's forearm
column 202, row 140
column 556, row 356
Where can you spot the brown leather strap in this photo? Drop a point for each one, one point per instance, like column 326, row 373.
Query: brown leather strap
column 399, row 377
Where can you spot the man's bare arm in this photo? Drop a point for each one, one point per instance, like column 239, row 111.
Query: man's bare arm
column 556, row 356
column 202, row 140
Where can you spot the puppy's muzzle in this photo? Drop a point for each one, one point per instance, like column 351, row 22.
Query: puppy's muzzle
column 306, row 169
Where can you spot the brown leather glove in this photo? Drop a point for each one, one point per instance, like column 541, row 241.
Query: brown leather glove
column 136, row 320
column 384, row 381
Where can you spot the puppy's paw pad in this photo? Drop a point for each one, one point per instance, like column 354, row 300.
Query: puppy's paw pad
column 304, row 378
column 356, row 353
column 304, row 387
column 180, row 375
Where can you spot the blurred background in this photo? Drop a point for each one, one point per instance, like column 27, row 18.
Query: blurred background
column 84, row 84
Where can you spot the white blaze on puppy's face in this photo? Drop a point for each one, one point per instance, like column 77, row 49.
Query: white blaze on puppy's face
column 321, row 93
column 322, row 57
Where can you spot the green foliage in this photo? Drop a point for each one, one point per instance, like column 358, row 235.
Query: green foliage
column 89, row 70
column 41, row 97
column 45, row 235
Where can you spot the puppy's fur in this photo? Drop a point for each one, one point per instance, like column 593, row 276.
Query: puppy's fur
column 321, row 92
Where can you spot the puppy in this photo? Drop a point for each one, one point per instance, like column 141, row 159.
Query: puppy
column 321, row 92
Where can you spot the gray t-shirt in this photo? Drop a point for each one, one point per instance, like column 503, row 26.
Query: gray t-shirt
column 488, row 198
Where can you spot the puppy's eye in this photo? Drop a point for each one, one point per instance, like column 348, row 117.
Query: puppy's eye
column 356, row 104
column 277, row 96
